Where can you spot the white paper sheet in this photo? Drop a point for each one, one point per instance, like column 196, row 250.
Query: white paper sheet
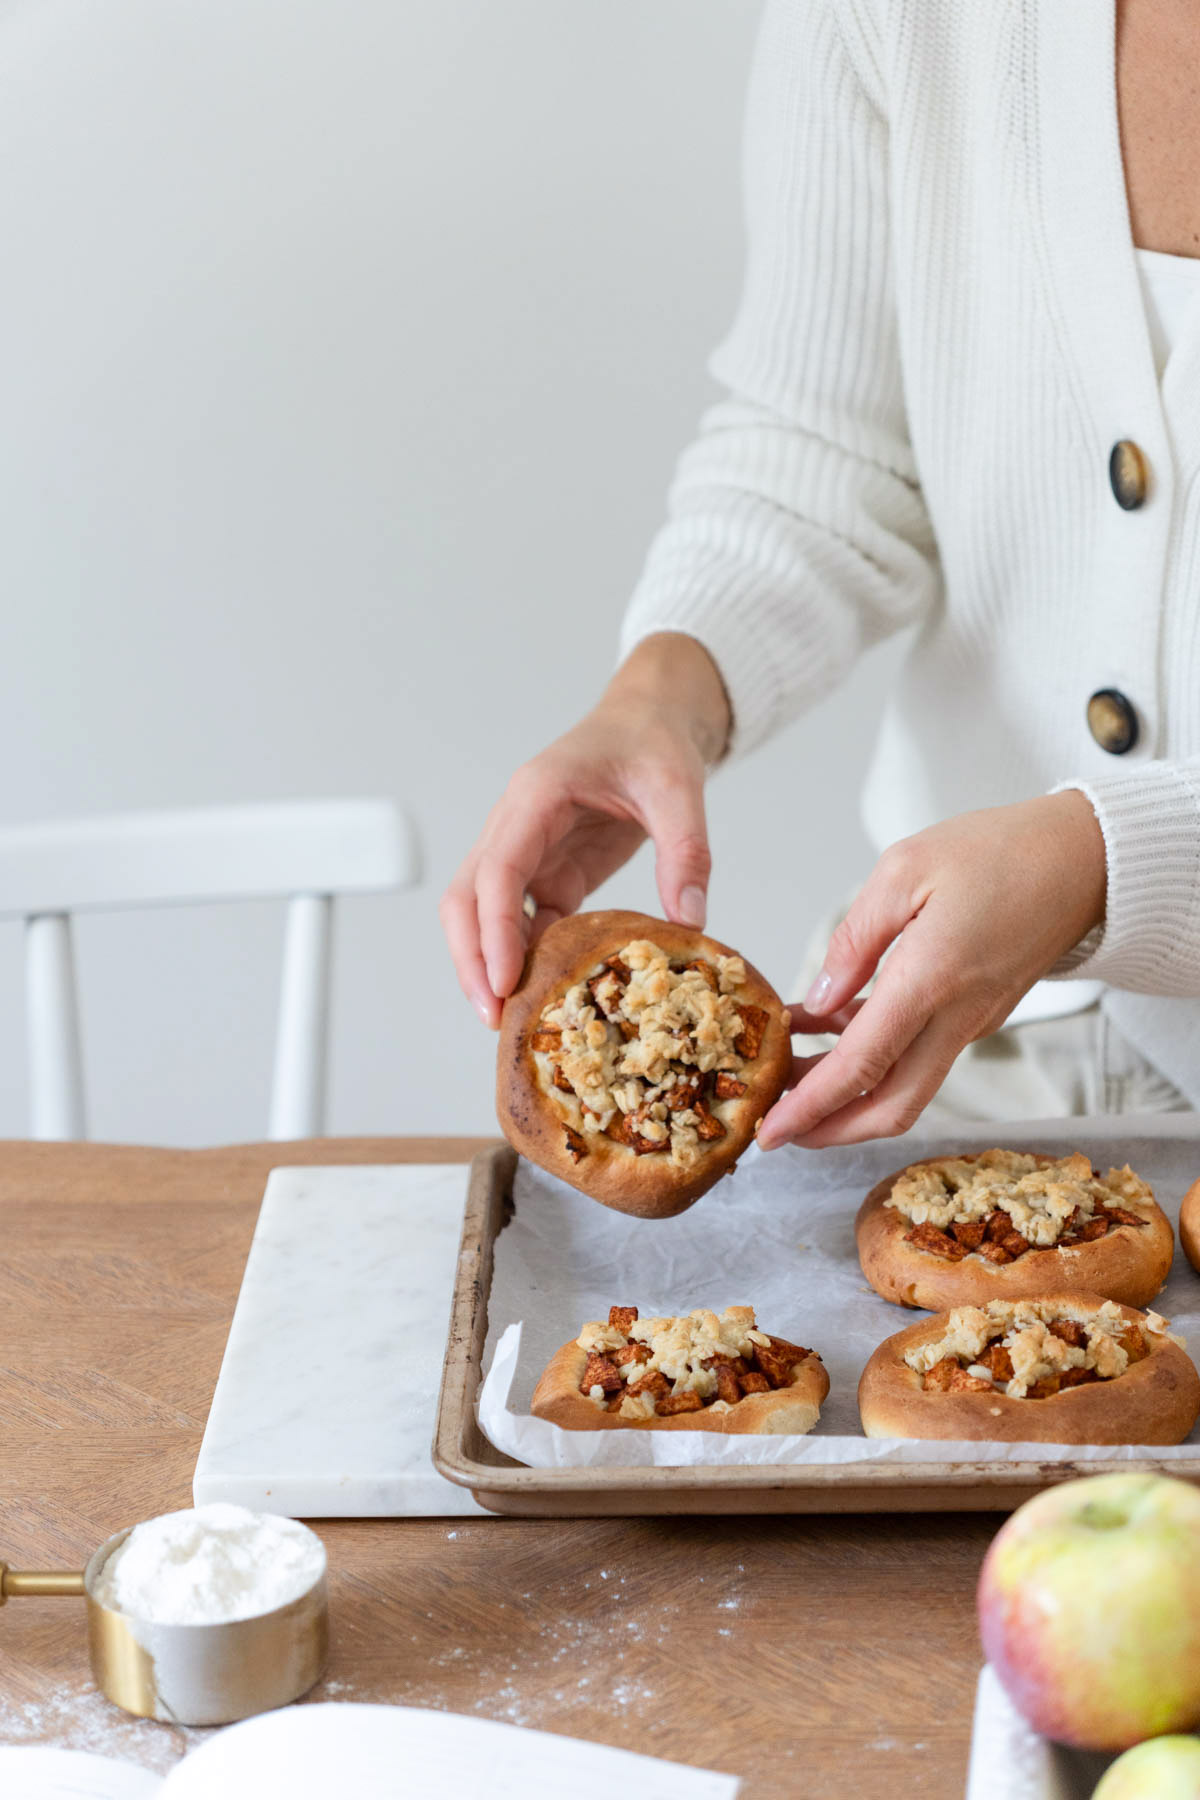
column 36, row 1772
column 778, row 1235
column 382, row 1752
column 1009, row 1761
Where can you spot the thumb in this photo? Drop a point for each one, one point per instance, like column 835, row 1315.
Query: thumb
column 673, row 812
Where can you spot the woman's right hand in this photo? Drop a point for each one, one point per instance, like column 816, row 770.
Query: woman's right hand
column 633, row 768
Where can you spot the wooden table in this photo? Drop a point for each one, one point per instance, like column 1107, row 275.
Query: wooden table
column 813, row 1657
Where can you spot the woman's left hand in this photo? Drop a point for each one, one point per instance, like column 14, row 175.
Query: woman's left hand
column 977, row 909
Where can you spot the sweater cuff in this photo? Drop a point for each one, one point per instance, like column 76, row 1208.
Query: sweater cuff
column 1149, row 942
column 683, row 590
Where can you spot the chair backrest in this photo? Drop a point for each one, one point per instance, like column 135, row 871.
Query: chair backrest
column 308, row 850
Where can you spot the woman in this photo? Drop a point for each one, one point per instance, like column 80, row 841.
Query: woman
column 951, row 406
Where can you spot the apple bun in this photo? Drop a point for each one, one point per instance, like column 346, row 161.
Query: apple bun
column 1189, row 1225
column 1063, row 1369
column 704, row 1371
column 1009, row 1224
column 636, row 1059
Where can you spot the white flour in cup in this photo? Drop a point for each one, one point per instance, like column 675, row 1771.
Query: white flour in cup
column 210, row 1565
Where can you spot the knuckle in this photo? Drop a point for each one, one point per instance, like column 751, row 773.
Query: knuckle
column 843, row 945
column 897, row 864
column 680, row 780
column 941, row 988
column 692, row 850
column 669, row 776
column 986, row 1024
column 903, row 1115
column 923, row 981
column 978, row 1019
column 451, row 902
column 501, row 883
column 896, row 1118
column 867, row 1069
column 525, row 784
column 676, row 792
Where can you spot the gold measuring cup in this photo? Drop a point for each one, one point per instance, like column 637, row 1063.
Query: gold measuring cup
column 190, row 1674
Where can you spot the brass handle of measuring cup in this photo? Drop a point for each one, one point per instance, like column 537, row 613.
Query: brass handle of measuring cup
column 17, row 1582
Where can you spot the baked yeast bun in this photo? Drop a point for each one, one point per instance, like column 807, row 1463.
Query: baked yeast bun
column 636, row 1059
column 1189, row 1224
column 703, row 1372
column 1067, row 1369
column 962, row 1229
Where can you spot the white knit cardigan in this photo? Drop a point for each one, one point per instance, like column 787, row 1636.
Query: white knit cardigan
column 941, row 336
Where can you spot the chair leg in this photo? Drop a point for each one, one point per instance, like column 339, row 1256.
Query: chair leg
column 55, row 1057
column 301, row 1051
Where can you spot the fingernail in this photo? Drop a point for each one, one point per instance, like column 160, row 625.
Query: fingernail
column 482, row 1007
column 818, row 994
column 692, row 906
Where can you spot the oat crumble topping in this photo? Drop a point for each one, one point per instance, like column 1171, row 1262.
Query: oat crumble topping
column 643, row 1367
column 647, row 1052
column 1030, row 1349
column 1004, row 1203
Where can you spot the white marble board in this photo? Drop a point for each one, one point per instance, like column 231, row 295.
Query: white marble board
column 325, row 1402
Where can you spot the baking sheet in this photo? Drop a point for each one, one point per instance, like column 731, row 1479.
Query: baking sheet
column 778, row 1235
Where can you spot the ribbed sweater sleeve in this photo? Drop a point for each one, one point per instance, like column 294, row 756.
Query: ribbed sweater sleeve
column 797, row 534
column 1150, row 940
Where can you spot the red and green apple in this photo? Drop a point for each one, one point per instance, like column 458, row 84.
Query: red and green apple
column 1089, row 1609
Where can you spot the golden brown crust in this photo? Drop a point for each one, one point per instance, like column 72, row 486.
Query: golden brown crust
column 789, row 1411
column 650, row 1186
column 1155, row 1401
column 1189, row 1224
column 1130, row 1264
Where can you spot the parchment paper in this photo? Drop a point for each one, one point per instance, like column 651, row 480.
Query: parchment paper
column 777, row 1235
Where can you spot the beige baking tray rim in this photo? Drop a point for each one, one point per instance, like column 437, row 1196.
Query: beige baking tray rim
column 463, row 1455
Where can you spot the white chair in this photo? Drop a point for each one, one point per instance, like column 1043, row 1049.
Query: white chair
column 308, row 850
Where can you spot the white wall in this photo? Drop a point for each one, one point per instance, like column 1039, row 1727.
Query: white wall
column 344, row 354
